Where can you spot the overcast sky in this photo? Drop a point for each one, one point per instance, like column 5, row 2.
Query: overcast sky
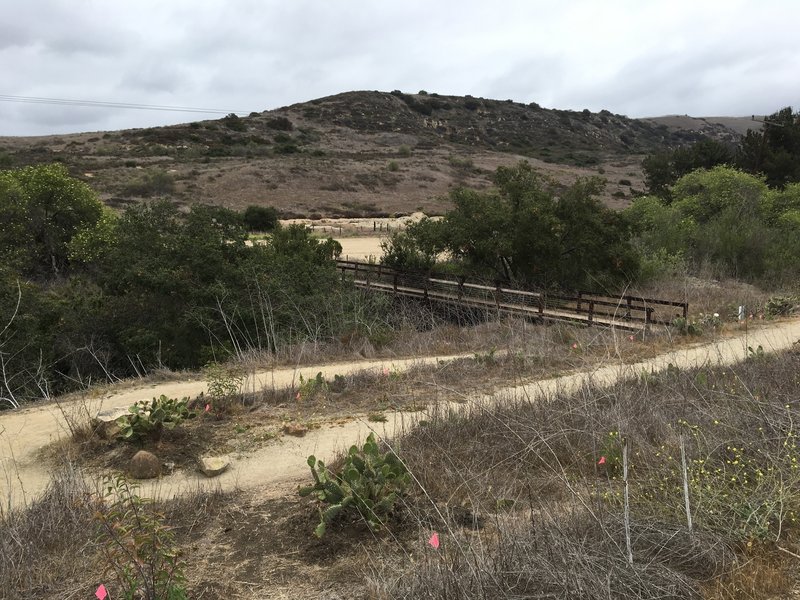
column 633, row 57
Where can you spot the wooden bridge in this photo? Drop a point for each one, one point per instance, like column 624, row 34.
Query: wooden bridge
column 627, row 312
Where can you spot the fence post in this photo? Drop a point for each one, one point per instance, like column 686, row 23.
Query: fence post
column 630, row 308
column 394, row 283
column 497, row 294
column 685, row 310
column 461, row 279
column 541, row 303
column 648, row 316
column 591, row 311
column 578, row 306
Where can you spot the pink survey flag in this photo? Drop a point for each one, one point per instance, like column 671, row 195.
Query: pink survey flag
column 602, row 460
column 208, row 407
column 101, row 592
column 434, row 541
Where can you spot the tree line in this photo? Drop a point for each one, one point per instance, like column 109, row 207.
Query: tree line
column 87, row 295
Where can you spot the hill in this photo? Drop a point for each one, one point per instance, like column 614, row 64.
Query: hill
column 360, row 153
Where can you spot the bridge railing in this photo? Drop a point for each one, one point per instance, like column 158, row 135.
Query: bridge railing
column 580, row 305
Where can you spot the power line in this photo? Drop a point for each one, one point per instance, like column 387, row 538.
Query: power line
column 104, row 104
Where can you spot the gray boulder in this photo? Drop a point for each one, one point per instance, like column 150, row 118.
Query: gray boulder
column 211, row 466
column 105, row 422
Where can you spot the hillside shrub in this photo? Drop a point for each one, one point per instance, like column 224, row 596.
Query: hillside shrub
column 153, row 184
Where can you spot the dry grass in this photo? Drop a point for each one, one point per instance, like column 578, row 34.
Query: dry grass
column 709, row 296
column 546, row 521
column 47, row 547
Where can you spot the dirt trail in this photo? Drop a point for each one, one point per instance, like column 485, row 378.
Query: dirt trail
column 24, row 432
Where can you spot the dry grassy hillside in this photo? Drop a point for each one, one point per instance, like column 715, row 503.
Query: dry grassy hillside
column 358, row 153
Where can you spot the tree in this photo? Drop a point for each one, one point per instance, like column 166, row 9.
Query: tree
column 522, row 231
column 775, row 150
column 662, row 170
column 42, row 209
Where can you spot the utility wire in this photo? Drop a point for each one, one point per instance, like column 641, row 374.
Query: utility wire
column 103, row 104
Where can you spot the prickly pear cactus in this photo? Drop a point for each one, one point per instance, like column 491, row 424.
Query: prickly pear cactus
column 369, row 484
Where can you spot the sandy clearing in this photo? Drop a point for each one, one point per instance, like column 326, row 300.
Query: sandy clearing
column 361, row 248
column 285, row 461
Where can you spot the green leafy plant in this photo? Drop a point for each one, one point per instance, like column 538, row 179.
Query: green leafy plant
column 369, row 484
column 138, row 547
column 224, row 384
column 148, row 418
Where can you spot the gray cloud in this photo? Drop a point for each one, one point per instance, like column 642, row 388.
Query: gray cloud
column 631, row 57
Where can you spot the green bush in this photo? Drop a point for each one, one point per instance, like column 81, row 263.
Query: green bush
column 369, row 485
column 260, row 218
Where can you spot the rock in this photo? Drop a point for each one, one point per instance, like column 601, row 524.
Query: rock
column 211, row 466
column 295, row 429
column 105, row 422
column 144, row 465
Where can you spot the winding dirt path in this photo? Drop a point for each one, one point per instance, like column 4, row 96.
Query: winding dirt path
column 24, row 433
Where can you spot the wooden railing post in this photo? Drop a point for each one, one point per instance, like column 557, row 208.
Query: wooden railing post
column 497, row 294
column 461, row 279
column 541, row 303
column 685, row 310
column 591, row 311
column 648, row 315
column 578, row 306
column 630, row 307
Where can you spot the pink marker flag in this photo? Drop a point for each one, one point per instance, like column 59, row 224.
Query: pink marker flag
column 385, row 371
column 101, row 592
column 574, row 346
column 208, row 407
column 602, row 460
column 434, row 541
